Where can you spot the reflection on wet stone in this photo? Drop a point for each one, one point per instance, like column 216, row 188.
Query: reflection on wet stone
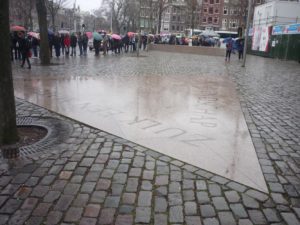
column 167, row 112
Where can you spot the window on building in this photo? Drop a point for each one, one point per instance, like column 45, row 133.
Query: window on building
column 224, row 24
column 231, row 11
column 206, row 1
column 174, row 18
column 204, row 20
column 211, row 1
column 217, row 1
column 225, row 11
column 181, row 28
column 178, row 18
column 217, row 10
column 177, row 28
column 205, row 9
column 211, row 10
column 209, row 20
column 216, row 20
column 233, row 23
column 173, row 27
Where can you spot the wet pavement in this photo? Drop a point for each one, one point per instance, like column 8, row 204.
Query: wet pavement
column 194, row 118
column 94, row 177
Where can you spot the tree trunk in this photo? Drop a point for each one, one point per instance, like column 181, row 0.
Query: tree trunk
column 8, row 127
column 42, row 17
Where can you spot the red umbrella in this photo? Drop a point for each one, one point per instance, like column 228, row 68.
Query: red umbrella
column 34, row 34
column 89, row 34
column 116, row 37
column 17, row 28
column 130, row 34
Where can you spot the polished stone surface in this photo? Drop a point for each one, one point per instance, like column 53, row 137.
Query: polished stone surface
column 193, row 115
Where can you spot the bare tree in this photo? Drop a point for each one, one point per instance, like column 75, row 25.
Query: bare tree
column 8, row 127
column 42, row 17
column 162, row 6
column 21, row 12
column 192, row 9
column 53, row 6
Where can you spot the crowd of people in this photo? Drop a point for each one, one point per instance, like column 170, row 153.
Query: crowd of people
column 23, row 45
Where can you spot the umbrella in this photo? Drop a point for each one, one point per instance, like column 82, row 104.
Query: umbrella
column 130, row 34
column 209, row 33
column 97, row 36
column 63, row 32
column 89, row 34
column 17, row 28
column 116, row 37
column 50, row 32
column 34, row 34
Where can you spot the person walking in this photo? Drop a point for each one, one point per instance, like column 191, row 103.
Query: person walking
column 57, row 44
column 229, row 47
column 25, row 45
column 85, row 41
column 240, row 47
column 80, row 43
column 73, row 44
column 67, row 43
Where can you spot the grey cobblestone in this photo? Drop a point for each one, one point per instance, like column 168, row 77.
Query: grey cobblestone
column 93, row 171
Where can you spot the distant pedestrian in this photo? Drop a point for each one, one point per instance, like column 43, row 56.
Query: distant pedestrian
column 229, row 46
column 240, row 47
column 80, row 43
column 97, row 44
column 105, row 44
column 57, row 44
column 85, row 41
column 67, row 43
column 73, row 44
column 25, row 46
column 62, row 40
column 35, row 44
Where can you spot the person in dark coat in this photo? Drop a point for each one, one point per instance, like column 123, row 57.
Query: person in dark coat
column 240, row 48
column 97, row 44
column 85, row 41
column 16, row 46
column 126, row 42
column 62, row 40
column 80, row 42
column 35, row 43
column 73, row 44
column 24, row 46
column 57, row 44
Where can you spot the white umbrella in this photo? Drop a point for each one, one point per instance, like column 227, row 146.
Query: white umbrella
column 210, row 33
column 63, row 32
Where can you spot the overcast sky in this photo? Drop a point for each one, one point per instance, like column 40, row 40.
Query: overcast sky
column 87, row 5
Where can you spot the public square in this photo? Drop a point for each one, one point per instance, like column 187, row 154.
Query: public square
column 166, row 138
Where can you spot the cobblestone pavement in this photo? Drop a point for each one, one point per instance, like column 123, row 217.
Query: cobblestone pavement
column 93, row 177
